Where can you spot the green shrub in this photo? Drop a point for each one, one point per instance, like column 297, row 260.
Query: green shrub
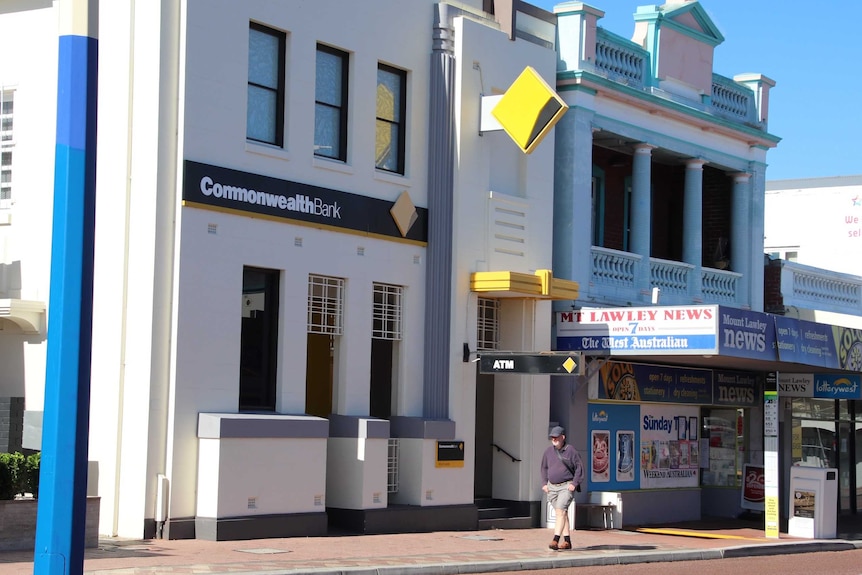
column 31, row 484
column 10, row 467
column 18, row 474
column 7, row 480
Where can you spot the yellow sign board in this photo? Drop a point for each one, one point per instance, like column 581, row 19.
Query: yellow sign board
column 529, row 109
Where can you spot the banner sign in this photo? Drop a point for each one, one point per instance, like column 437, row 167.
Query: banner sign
column 820, row 385
column 708, row 330
column 623, row 381
column 805, row 342
column 748, row 334
column 639, row 331
column 537, row 363
column 736, row 388
column 282, row 199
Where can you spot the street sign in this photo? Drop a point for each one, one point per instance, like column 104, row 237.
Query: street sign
column 528, row 363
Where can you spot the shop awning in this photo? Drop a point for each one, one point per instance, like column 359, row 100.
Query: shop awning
column 508, row 284
column 27, row 315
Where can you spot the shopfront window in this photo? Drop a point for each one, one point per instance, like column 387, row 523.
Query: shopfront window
column 724, row 436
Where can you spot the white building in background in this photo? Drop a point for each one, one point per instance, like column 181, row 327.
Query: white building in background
column 816, row 222
column 280, row 324
column 28, row 112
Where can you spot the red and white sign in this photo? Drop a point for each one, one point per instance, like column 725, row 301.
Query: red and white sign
column 753, row 487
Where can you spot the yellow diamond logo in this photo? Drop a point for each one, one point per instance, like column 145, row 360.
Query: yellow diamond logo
column 404, row 213
column 529, row 109
column 569, row 364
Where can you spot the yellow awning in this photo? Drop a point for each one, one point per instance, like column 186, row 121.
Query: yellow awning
column 540, row 285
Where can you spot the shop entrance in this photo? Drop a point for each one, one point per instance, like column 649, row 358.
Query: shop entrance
column 484, row 471
column 828, row 433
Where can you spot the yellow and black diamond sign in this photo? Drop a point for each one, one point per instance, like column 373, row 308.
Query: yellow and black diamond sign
column 529, row 109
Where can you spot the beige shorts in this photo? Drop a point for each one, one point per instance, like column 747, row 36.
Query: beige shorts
column 559, row 495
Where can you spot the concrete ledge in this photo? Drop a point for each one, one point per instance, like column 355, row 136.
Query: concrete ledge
column 247, row 425
column 419, row 428
column 351, row 426
column 405, row 519
column 261, row 527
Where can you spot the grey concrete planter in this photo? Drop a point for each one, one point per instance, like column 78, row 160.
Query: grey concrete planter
column 18, row 524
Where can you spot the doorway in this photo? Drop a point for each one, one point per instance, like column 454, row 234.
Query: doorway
column 484, row 468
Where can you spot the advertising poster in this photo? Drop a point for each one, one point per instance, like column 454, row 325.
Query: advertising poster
column 612, row 457
column 625, row 467
column 600, row 458
column 669, row 446
column 753, row 487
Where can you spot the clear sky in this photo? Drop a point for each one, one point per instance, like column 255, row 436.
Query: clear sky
column 813, row 51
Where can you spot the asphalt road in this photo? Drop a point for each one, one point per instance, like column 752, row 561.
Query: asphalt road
column 827, row 563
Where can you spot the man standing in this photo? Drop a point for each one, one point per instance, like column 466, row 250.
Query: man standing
column 562, row 473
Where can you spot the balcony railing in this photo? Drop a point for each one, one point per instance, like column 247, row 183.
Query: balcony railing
column 620, row 60
column 615, row 280
column 624, row 62
column 815, row 288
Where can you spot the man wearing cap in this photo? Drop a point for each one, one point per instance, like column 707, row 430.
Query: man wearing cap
column 562, row 473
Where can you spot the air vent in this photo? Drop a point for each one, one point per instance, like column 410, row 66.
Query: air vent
column 212, row 228
column 297, row 241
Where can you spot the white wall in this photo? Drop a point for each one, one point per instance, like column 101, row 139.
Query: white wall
column 822, row 222
column 25, row 226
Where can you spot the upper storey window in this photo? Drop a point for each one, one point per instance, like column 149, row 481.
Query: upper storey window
column 265, row 114
column 330, row 103
column 391, row 114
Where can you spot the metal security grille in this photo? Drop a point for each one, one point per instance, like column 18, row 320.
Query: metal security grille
column 488, row 324
column 387, row 312
column 325, row 305
column 392, row 467
column 7, row 144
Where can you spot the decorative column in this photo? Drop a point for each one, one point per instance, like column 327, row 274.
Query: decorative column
column 640, row 240
column 740, row 244
column 438, row 273
column 692, row 224
column 756, row 202
column 573, row 162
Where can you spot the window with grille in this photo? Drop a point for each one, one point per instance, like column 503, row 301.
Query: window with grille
column 325, row 305
column 392, row 466
column 7, row 107
column 488, row 324
column 7, row 142
column 265, row 111
column 387, row 312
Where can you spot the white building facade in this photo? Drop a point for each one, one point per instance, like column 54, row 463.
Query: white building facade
column 279, row 323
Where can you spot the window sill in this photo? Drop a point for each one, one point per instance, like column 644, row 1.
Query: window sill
column 392, row 178
column 332, row 165
column 267, row 150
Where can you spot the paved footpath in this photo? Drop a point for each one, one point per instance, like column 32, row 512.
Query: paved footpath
column 438, row 553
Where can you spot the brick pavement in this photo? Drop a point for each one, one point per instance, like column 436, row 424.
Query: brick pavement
column 437, row 553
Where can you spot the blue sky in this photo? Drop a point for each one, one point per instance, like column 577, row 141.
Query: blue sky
column 813, row 52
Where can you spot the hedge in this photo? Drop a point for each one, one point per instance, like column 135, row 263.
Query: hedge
column 19, row 474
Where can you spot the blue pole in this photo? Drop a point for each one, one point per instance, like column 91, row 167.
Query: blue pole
column 63, row 470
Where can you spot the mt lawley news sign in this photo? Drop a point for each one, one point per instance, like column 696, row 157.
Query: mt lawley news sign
column 708, row 330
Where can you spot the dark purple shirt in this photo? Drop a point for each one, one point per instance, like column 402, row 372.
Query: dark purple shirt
column 555, row 471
